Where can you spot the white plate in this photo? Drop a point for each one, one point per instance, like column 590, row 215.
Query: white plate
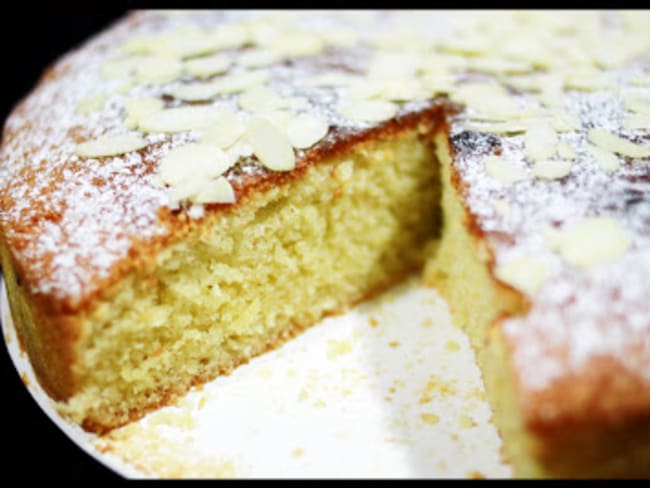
column 390, row 389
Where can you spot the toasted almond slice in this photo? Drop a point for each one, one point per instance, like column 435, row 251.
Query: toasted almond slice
column 110, row 146
column 610, row 142
column 637, row 121
column 594, row 241
column 158, row 69
column 607, row 160
column 305, row 130
column 551, row 169
column 525, row 273
column 270, row 144
column 207, row 66
column 138, row 108
column 370, row 110
column 540, row 141
column 191, row 161
column 637, row 103
column 224, row 133
column 565, row 150
column 91, row 103
column 181, row 119
column 503, row 171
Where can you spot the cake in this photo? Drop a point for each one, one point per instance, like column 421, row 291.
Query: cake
column 190, row 189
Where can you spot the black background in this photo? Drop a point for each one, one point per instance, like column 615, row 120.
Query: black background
column 33, row 447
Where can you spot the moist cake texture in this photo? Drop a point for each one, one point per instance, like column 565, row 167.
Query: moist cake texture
column 216, row 182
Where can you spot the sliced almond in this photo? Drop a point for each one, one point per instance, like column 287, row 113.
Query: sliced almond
column 257, row 58
column 91, row 103
column 540, row 141
column 260, row 98
column 238, row 82
column 551, row 169
column 207, row 66
column 305, row 130
column 193, row 163
column 503, row 171
column 270, row 144
column 403, row 90
column 217, row 191
column 110, row 146
column 610, row 142
column 502, row 207
column 640, row 80
column 370, row 110
column 594, row 241
column 506, row 128
column 195, row 92
column 565, row 150
column 123, row 67
column 225, row 132
column 158, row 69
column 181, row 119
column 607, row 160
column 637, row 103
column 139, row 108
column 525, row 273
column 564, row 122
column 637, row 122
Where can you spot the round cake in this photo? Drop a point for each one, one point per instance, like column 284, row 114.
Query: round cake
column 190, row 189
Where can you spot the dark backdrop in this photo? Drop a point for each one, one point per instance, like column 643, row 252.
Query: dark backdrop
column 34, row 447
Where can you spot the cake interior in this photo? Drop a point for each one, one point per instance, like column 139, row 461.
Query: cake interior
column 253, row 277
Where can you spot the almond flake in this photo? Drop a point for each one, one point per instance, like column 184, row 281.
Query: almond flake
column 607, row 160
column 610, row 142
column 403, row 90
column 270, row 145
column 594, row 241
column 370, row 110
column 158, row 69
column 525, row 273
column 225, row 132
column 260, row 98
column 503, row 171
column 257, row 58
column 218, row 191
column 110, row 146
column 138, row 108
column 637, row 103
column 181, row 119
column 637, row 121
column 565, row 150
column 641, row 80
column 207, row 66
column 502, row 207
column 564, row 122
column 238, row 82
column 540, row 141
column 305, row 130
column 195, row 92
column 120, row 67
column 510, row 127
column 91, row 103
column 551, row 169
column 192, row 163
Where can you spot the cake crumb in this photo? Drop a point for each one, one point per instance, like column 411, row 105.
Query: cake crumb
column 393, row 344
column 466, row 422
column 452, row 346
column 475, row 475
column 297, row 452
column 373, row 321
column 338, row 348
column 24, row 379
column 428, row 322
column 430, row 418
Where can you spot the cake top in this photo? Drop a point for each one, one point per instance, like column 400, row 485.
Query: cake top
column 175, row 114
